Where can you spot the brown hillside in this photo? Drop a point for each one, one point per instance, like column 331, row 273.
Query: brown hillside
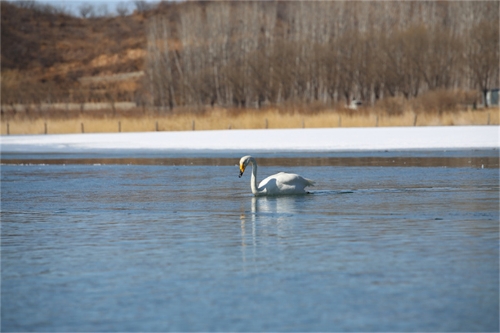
column 43, row 51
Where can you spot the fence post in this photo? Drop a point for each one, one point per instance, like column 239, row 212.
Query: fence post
column 488, row 118
column 193, row 125
column 119, row 126
column 156, row 126
column 45, row 127
column 267, row 124
column 415, row 120
column 83, row 130
column 340, row 121
column 8, row 130
column 376, row 122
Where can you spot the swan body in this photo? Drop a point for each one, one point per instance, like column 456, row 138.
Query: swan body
column 279, row 184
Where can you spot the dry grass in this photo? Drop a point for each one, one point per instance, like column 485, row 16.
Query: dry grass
column 217, row 119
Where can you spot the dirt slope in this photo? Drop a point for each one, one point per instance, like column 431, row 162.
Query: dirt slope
column 45, row 51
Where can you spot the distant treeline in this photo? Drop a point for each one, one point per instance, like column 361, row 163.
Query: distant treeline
column 250, row 54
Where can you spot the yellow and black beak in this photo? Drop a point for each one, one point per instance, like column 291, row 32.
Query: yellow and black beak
column 242, row 169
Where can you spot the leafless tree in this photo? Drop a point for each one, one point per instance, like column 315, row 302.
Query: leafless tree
column 250, row 53
column 86, row 10
column 142, row 6
column 483, row 55
column 122, row 8
column 159, row 67
column 29, row 4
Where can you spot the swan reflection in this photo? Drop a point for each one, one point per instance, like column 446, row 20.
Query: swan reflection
column 269, row 221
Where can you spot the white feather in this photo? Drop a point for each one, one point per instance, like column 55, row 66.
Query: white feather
column 279, row 184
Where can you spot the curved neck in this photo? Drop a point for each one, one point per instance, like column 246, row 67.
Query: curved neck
column 253, row 179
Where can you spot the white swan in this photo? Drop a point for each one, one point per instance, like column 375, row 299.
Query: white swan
column 279, row 184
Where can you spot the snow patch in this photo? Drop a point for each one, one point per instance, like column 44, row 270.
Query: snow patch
column 324, row 139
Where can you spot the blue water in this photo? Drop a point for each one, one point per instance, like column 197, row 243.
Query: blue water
column 187, row 248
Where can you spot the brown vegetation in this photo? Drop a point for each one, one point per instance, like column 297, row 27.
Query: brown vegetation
column 138, row 120
column 237, row 64
column 45, row 54
column 252, row 54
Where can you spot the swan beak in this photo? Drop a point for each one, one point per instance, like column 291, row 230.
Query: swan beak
column 242, row 169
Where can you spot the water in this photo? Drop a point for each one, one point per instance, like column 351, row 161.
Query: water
column 143, row 246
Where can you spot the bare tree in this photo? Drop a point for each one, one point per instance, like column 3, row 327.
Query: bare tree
column 122, row 8
column 484, row 55
column 103, row 10
column 250, row 53
column 159, row 64
column 29, row 4
column 142, row 6
column 86, row 10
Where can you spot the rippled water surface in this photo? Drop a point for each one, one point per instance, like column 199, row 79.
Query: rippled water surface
column 185, row 247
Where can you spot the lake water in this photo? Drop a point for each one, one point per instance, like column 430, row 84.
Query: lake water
column 404, row 241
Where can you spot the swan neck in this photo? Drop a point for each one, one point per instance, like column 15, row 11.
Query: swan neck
column 253, row 179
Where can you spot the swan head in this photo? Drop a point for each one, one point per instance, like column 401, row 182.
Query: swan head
column 243, row 164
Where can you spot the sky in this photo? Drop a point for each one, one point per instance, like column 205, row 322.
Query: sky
column 100, row 6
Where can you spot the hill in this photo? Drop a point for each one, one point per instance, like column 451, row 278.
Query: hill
column 45, row 55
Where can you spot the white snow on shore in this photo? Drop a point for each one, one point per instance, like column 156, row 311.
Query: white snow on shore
column 326, row 139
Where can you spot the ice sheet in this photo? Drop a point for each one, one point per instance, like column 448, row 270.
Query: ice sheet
column 325, row 139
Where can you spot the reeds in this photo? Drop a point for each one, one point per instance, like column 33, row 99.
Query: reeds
column 138, row 120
